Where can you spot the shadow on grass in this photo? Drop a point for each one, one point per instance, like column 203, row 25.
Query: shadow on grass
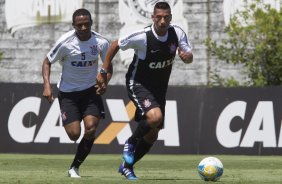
column 169, row 179
column 83, row 176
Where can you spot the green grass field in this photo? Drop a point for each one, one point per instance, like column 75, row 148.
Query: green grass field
column 153, row 169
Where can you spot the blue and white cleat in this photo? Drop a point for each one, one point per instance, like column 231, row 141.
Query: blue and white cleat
column 128, row 153
column 127, row 172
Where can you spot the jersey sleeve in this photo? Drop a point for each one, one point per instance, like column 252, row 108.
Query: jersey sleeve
column 183, row 41
column 135, row 41
column 104, row 48
column 57, row 51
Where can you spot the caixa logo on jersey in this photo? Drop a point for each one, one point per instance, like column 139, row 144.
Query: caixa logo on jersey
column 118, row 129
column 261, row 127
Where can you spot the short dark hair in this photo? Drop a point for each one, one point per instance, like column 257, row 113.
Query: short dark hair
column 79, row 12
column 161, row 5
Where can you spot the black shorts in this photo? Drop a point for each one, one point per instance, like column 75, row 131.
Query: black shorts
column 145, row 99
column 76, row 105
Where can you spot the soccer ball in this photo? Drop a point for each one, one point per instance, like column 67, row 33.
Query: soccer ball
column 210, row 169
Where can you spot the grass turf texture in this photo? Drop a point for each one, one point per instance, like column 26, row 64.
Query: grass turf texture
column 153, row 169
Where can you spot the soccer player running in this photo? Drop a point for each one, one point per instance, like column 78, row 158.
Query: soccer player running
column 79, row 96
column 147, row 79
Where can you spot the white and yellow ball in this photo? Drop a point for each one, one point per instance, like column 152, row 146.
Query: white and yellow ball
column 210, row 169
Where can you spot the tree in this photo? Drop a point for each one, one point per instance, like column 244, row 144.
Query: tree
column 254, row 41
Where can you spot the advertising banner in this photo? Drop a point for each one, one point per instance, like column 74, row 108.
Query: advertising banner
column 198, row 121
column 21, row 14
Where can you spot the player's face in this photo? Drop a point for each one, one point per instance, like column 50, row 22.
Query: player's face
column 82, row 25
column 161, row 19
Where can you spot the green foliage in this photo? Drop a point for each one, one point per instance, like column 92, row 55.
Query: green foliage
column 216, row 80
column 253, row 40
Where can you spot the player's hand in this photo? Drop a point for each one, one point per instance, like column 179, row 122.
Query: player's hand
column 100, row 90
column 101, row 84
column 186, row 57
column 47, row 93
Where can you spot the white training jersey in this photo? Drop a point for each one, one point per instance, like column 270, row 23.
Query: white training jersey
column 79, row 60
column 138, row 41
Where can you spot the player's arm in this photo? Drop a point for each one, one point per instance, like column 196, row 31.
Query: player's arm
column 47, row 89
column 109, row 69
column 184, row 46
column 106, row 70
column 105, row 75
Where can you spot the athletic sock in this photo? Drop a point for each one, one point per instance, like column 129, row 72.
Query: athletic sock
column 142, row 148
column 83, row 149
column 142, row 129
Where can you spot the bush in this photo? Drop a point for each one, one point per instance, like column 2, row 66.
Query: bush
column 253, row 40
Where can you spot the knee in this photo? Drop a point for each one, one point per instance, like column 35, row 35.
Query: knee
column 73, row 136
column 89, row 133
column 154, row 120
column 154, row 117
column 73, row 130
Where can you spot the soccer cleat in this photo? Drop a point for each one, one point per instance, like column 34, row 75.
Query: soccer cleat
column 127, row 172
column 128, row 153
column 73, row 173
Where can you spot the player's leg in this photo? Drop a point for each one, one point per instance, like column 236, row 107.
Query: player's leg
column 71, row 118
column 152, row 120
column 73, row 130
column 86, row 143
column 144, row 136
column 126, row 167
column 146, row 133
column 145, row 144
column 147, row 114
column 92, row 109
column 129, row 147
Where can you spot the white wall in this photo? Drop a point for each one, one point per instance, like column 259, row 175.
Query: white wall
column 25, row 49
